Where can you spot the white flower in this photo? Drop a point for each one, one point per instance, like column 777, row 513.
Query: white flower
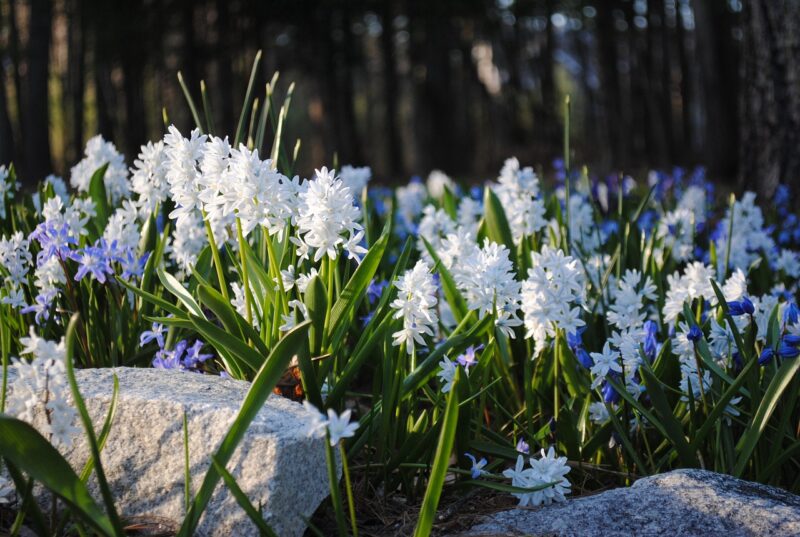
column 188, row 240
column 789, row 262
column 437, row 182
column 7, row 189
column 416, row 305
column 182, row 172
column 551, row 469
column 410, row 201
column 290, row 319
column 149, row 177
column 447, row 374
column 6, row 490
column 598, row 412
column 327, row 218
column 15, row 257
column 304, row 279
column 123, row 228
column 604, row 363
column 555, row 284
column 547, row 469
column 486, row 277
column 338, row 426
column 97, row 153
column 59, row 186
column 627, row 309
column 518, row 190
column 469, row 214
column 435, row 225
column 749, row 236
column 39, row 392
column 355, row 178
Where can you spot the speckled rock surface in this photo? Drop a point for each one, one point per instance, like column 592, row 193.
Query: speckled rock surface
column 277, row 465
column 682, row 502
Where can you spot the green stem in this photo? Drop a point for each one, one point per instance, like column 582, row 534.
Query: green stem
column 245, row 276
column 223, row 288
column 351, row 505
column 336, row 500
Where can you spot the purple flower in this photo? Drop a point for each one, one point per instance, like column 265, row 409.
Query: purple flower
column 132, row 267
column 53, row 241
column 193, row 356
column 157, row 334
column 41, row 307
column 468, row 359
column 165, row 359
column 94, row 260
column 523, row 447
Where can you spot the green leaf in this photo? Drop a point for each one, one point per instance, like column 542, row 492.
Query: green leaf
column 242, row 499
column 451, row 293
column 316, row 301
column 26, row 449
column 672, row 427
column 441, row 460
column 354, row 291
column 97, row 191
column 747, row 443
column 153, row 299
column 172, row 285
column 497, row 228
column 226, row 343
column 77, row 398
column 230, row 318
column 257, row 395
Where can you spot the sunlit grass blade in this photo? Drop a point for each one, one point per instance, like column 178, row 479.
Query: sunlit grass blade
column 441, row 461
column 242, row 499
column 263, row 384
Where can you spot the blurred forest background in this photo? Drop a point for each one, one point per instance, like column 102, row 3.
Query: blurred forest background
column 409, row 85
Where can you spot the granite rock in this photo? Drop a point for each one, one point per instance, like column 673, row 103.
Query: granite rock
column 681, row 502
column 277, row 464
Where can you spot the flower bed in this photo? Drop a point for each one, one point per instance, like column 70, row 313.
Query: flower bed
column 520, row 335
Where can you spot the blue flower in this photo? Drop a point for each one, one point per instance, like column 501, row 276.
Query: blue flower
column 523, row 447
column 610, row 395
column 788, row 351
column 165, row 359
column 650, row 342
column 766, row 356
column 133, row 267
column 695, row 334
column 477, row 466
column 790, row 314
column 375, row 290
column 741, row 307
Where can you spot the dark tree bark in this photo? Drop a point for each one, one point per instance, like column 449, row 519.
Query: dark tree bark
column 770, row 103
column 715, row 53
column 35, row 108
column 390, row 90
column 612, row 91
column 6, row 133
column 75, row 80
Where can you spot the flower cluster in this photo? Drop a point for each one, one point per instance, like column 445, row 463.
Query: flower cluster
column 40, row 392
column 546, row 470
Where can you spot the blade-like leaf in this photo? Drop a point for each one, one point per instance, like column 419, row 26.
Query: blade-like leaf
column 257, row 395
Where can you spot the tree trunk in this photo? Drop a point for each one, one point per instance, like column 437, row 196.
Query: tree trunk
column 75, row 81
column 770, row 99
column 35, row 108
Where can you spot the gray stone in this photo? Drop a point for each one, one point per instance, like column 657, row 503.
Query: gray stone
column 682, row 502
column 277, row 464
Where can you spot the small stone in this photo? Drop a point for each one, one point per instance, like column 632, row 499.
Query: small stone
column 277, row 465
column 682, row 502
